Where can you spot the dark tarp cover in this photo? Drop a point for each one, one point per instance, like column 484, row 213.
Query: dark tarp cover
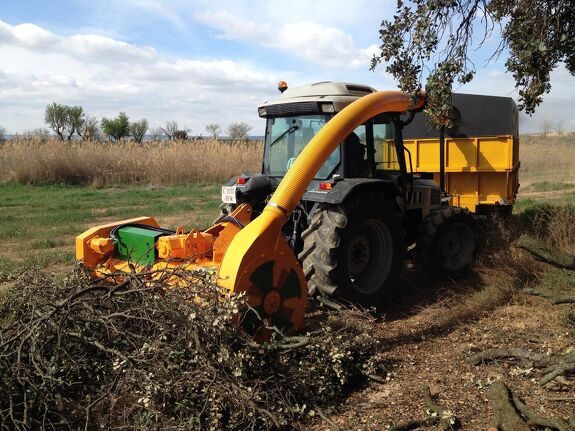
column 480, row 116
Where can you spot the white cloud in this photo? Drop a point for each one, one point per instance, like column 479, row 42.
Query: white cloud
column 33, row 37
column 320, row 44
column 106, row 76
column 90, row 45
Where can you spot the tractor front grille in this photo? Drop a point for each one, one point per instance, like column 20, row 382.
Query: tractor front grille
column 286, row 109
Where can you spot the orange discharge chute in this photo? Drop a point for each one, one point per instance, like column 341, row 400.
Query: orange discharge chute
column 251, row 256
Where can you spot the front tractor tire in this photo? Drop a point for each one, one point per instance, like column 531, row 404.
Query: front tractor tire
column 354, row 250
column 449, row 239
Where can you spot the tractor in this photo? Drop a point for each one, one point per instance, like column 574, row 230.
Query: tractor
column 365, row 206
column 339, row 199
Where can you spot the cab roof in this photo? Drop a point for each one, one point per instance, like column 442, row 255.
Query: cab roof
column 340, row 94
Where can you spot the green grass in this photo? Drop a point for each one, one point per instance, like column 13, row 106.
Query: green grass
column 556, row 281
column 546, row 186
column 38, row 223
column 522, row 204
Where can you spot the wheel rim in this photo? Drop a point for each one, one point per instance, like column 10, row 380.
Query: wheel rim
column 456, row 246
column 369, row 256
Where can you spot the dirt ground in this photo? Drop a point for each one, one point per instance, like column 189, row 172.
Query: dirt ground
column 437, row 325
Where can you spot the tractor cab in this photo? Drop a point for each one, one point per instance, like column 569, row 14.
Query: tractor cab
column 372, row 155
column 299, row 114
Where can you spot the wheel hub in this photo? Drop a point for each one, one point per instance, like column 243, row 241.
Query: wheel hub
column 451, row 244
column 369, row 256
column 359, row 254
column 272, row 302
column 456, row 246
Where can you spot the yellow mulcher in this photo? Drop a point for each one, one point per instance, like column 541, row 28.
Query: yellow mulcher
column 332, row 212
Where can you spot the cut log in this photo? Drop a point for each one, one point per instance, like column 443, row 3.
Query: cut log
column 545, row 254
column 414, row 424
column 446, row 421
column 505, row 416
column 534, row 419
column 493, row 354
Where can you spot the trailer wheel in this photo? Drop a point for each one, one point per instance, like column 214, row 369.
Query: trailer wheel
column 449, row 239
column 354, row 250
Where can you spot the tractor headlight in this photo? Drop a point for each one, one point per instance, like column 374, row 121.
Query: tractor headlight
column 262, row 111
column 327, row 107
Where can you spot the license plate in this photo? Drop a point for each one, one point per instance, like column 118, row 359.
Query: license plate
column 229, row 194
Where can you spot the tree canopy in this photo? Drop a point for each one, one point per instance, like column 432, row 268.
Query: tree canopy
column 170, row 129
column 117, row 128
column 214, row 130
column 64, row 120
column 432, row 39
column 138, row 129
column 239, row 131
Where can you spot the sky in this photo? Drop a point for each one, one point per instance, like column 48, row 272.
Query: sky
column 199, row 62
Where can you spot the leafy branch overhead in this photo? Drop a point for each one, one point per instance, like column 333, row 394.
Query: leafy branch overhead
column 432, row 39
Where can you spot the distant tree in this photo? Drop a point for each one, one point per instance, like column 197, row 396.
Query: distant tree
column 432, row 39
column 546, row 127
column 40, row 134
column 180, row 135
column 558, row 127
column 90, row 130
column 214, row 130
column 2, row 135
column 75, row 120
column 157, row 134
column 55, row 116
column 138, row 129
column 238, row 131
column 170, row 128
column 64, row 120
column 117, row 128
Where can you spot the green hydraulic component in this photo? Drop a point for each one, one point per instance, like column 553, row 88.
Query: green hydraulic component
column 137, row 245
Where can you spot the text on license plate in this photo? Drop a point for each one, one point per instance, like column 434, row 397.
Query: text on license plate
column 229, row 194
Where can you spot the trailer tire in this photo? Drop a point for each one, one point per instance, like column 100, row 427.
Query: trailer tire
column 354, row 250
column 449, row 239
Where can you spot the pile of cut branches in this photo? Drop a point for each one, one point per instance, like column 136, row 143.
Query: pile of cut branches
column 81, row 354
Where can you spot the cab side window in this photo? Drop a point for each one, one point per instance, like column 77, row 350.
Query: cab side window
column 386, row 158
column 355, row 146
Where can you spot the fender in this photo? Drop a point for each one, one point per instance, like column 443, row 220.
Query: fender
column 343, row 188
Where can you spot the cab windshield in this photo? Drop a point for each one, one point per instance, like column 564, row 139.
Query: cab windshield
column 286, row 137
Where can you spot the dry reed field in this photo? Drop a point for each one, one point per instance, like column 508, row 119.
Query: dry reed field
column 552, row 157
column 29, row 161
column 33, row 161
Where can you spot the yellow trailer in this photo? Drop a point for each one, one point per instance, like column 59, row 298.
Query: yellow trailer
column 480, row 172
column 481, row 152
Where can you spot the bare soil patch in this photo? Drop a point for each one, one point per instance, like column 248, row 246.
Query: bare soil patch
column 428, row 346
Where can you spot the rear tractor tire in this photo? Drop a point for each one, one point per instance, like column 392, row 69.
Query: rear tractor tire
column 449, row 239
column 354, row 250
